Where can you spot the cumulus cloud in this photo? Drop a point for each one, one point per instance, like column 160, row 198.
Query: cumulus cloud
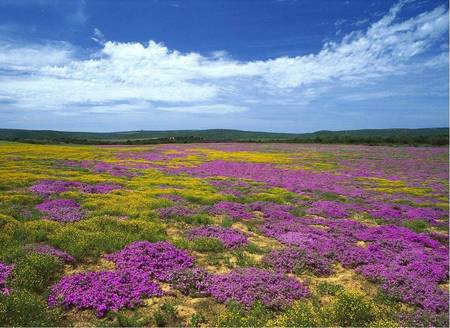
column 51, row 77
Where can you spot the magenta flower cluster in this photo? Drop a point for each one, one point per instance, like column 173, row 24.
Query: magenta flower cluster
column 159, row 259
column 136, row 266
column 62, row 210
column 175, row 212
column 102, row 167
column 229, row 237
column 50, row 187
column 408, row 265
column 232, row 209
column 192, row 281
column 295, row 260
column 249, row 285
column 331, row 209
column 5, row 272
column 49, row 250
column 103, row 291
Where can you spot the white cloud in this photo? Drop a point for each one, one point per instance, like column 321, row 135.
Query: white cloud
column 206, row 109
column 50, row 77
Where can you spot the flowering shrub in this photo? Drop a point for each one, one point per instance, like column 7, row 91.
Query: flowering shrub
column 234, row 210
column 174, row 212
column 329, row 208
column 298, row 261
column 249, row 285
column 229, row 237
column 5, row 271
column 103, row 291
column 193, row 282
column 36, row 272
column 49, row 250
column 49, row 187
column 62, row 210
column 159, row 259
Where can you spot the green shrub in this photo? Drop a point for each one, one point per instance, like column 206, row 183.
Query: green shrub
column 243, row 260
column 92, row 237
column 197, row 319
column 226, row 222
column 23, row 308
column 36, row 272
column 255, row 249
column 206, row 244
column 199, row 219
column 416, row 225
column 11, row 251
column 135, row 319
column 236, row 316
column 327, row 288
column 351, row 309
column 38, row 230
column 301, row 314
column 166, row 316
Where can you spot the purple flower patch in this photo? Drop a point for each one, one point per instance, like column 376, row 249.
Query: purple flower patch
column 103, row 291
column 174, row 212
column 50, row 187
column 246, row 286
column 62, row 210
column 193, row 282
column 49, row 250
column 232, row 209
column 5, row 271
column 297, row 261
column 229, row 237
column 159, row 259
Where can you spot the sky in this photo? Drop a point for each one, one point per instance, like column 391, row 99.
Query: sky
column 273, row 65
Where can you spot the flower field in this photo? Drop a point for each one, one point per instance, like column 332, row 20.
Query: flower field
column 223, row 235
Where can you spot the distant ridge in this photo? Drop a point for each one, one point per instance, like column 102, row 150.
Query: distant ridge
column 433, row 136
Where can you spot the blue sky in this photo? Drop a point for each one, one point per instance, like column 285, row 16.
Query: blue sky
column 286, row 65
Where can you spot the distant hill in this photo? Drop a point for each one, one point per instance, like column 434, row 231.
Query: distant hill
column 431, row 136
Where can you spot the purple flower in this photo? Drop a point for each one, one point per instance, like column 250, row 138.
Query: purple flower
column 296, row 260
column 229, row 237
column 50, row 187
column 159, row 259
column 62, row 210
column 103, row 291
column 5, row 271
column 174, row 212
column 246, row 286
column 232, row 209
column 193, row 282
column 49, row 250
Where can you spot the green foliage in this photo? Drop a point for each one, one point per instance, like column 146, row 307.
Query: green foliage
column 417, row 225
column 124, row 320
column 26, row 309
column 431, row 136
column 255, row 249
column 199, row 219
column 166, row 316
column 327, row 288
column 206, row 244
column 38, row 230
column 92, row 237
column 243, row 260
column 197, row 319
column 301, row 314
column 36, row 272
column 352, row 310
column 236, row 316
column 226, row 222
column 182, row 243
